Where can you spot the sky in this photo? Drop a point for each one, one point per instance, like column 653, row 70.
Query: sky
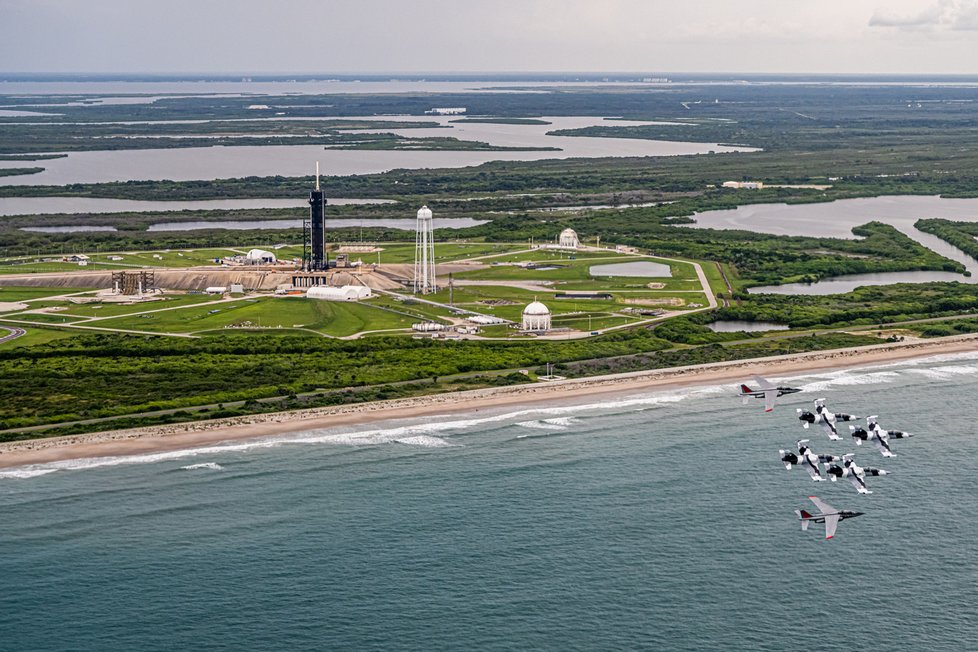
column 417, row 36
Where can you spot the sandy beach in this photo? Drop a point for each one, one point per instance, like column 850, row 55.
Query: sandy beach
column 201, row 433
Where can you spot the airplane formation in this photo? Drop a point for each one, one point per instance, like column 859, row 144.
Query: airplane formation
column 825, row 466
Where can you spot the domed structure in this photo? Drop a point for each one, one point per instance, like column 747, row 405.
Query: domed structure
column 568, row 238
column 536, row 317
column 259, row 257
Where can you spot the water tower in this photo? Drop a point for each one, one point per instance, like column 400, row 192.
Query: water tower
column 424, row 254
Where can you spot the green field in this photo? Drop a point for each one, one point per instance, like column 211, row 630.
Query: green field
column 115, row 309
column 35, row 335
column 19, row 293
column 328, row 317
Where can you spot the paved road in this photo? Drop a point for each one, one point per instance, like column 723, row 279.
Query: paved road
column 13, row 333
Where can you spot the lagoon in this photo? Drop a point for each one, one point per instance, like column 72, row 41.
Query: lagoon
column 96, row 205
column 202, row 163
column 837, row 218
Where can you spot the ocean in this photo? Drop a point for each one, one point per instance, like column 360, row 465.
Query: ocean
column 659, row 521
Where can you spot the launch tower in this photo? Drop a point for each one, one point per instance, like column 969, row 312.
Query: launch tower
column 318, row 259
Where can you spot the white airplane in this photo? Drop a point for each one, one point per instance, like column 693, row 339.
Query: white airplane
column 767, row 391
column 823, row 417
column 807, row 459
column 874, row 433
column 827, row 514
column 855, row 473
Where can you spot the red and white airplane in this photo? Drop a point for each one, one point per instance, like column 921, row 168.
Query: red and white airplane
column 827, row 514
column 765, row 390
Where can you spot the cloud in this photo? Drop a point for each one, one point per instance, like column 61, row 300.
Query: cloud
column 954, row 15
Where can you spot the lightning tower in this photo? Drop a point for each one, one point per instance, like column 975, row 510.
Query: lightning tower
column 424, row 254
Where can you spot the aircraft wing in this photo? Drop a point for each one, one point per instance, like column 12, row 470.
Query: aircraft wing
column 831, row 522
column 859, row 484
column 883, row 446
column 823, row 506
column 770, row 395
column 812, row 470
column 830, row 429
column 764, row 384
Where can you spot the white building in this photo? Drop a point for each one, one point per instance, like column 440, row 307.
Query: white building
column 536, row 317
column 744, row 185
column 568, row 239
column 344, row 293
column 448, row 110
column 260, row 257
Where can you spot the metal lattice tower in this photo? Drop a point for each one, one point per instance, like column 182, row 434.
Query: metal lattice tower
column 424, row 254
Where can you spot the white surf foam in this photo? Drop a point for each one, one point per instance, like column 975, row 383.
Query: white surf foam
column 849, row 379
column 957, row 370
column 426, row 441
column 214, row 466
column 25, row 472
column 541, row 425
column 419, row 434
column 930, row 374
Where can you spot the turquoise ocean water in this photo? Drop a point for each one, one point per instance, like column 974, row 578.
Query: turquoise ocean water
column 638, row 521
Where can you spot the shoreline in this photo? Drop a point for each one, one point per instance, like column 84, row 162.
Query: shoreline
column 155, row 439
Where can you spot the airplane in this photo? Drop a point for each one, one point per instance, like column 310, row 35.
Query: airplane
column 855, row 473
column 876, row 434
column 827, row 514
column 767, row 391
column 825, row 418
column 807, row 459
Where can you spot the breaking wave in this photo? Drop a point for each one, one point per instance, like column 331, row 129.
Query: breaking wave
column 849, row 379
column 214, row 466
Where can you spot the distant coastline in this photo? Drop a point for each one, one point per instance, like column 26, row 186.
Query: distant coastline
column 191, row 435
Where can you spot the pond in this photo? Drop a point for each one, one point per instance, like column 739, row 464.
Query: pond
column 849, row 282
column 642, row 269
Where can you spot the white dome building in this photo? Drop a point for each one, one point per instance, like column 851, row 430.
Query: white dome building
column 259, row 257
column 536, row 317
column 343, row 293
column 568, row 238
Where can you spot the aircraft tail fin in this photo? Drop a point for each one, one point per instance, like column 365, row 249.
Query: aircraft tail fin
column 805, row 518
column 744, row 389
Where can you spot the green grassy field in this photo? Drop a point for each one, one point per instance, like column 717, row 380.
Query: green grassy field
column 329, row 317
column 116, row 309
column 35, row 335
column 15, row 293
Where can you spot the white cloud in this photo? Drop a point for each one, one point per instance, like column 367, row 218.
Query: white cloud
column 955, row 15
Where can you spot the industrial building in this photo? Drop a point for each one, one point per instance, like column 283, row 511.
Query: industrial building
column 568, row 239
column 342, row 293
column 536, row 317
column 260, row 257
column 744, row 185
